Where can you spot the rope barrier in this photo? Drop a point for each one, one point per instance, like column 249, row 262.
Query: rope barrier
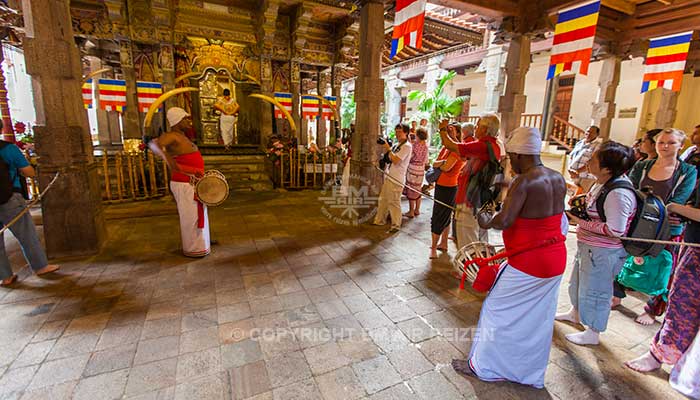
column 391, row 178
column 29, row 205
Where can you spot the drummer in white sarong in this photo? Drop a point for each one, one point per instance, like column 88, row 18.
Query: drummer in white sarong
column 517, row 318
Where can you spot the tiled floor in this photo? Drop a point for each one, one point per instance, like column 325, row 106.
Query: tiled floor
column 288, row 306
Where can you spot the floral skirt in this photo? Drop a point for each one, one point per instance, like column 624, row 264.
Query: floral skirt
column 414, row 180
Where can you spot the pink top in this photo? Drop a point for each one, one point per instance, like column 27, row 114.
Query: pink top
column 420, row 153
column 620, row 207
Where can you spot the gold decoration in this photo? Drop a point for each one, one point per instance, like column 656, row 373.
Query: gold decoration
column 132, row 147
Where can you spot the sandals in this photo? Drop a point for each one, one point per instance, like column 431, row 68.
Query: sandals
column 9, row 281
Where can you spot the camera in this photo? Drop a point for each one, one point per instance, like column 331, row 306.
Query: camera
column 384, row 161
column 382, row 141
column 578, row 207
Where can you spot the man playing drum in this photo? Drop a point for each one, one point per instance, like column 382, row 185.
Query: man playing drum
column 229, row 109
column 185, row 160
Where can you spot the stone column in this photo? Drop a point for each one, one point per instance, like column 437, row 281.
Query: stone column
column 130, row 117
column 266, row 113
column 295, row 88
column 512, row 103
column 8, row 131
column 666, row 114
column 369, row 94
column 72, row 209
column 393, row 106
column 604, row 108
column 495, row 76
column 336, row 85
column 321, row 83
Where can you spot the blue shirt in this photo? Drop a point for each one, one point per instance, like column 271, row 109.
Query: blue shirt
column 15, row 160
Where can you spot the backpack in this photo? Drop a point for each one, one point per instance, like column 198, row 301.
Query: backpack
column 650, row 221
column 484, row 186
column 6, row 185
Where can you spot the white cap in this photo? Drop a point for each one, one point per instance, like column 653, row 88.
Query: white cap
column 175, row 115
column 525, row 140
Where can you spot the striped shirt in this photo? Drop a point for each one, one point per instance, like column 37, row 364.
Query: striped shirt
column 620, row 206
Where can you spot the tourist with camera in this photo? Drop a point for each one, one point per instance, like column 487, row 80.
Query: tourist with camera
column 600, row 254
column 394, row 163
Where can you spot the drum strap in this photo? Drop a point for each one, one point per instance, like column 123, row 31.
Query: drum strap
column 200, row 212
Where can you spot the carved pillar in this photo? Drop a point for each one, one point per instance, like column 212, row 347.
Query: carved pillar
column 321, row 130
column 604, row 108
column 495, row 76
column 72, row 209
column 666, row 114
column 550, row 107
column 369, row 94
column 295, row 88
column 266, row 114
column 131, row 117
column 393, row 106
column 336, row 85
column 8, row 132
column 103, row 132
column 167, row 65
column 512, row 103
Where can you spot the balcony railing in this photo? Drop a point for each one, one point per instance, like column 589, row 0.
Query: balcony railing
column 565, row 133
column 531, row 120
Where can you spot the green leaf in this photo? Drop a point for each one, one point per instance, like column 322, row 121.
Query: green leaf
column 415, row 95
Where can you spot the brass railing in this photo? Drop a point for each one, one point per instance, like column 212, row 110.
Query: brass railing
column 125, row 177
column 306, row 170
column 566, row 133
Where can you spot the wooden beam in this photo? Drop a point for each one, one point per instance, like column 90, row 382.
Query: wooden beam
column 624, row 6
column 485, row 8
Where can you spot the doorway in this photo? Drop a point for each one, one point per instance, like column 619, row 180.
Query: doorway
column 562, row 99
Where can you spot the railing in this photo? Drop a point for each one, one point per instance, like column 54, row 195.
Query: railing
column 531, row 120
column 305, row 170
column 565, row 133
column 125, row 177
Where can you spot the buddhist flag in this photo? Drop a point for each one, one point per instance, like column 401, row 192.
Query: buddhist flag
column 573, row 39
column 87, row 94
column 327, row 110
column 408, row 25
column 285, row 99
column 665, row 61
column 148, row 93
column 112, row 94
column 309, row 107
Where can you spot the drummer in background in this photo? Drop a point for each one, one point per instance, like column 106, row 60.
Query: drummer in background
column 185, row 160
column 229, row 109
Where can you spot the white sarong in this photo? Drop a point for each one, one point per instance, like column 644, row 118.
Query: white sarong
column 226, row 124
column 195, row 241
column 685, row 376
column 515, row 328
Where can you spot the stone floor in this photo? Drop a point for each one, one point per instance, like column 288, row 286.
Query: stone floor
column 289, row 306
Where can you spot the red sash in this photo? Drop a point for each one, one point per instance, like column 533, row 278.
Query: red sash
column 190, row 163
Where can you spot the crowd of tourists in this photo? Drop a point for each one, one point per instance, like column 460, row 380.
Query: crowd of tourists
column 608, row 178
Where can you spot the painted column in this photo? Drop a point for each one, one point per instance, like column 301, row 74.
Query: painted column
column 604, row 108
column 72, row 209
column 266, row 114
column 295, row 88
column 322, row 82
column 336, row 85
column 512, row 103
column 167, row 65
column 130, row 117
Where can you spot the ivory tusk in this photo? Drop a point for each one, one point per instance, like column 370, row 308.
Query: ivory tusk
column 185, row 76
column 277, row 104
column 328, row 103
column 93, row 73
column 165, row 96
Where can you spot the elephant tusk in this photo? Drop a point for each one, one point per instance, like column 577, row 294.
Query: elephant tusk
column 165, row 96
column 277, row 104
column 93, row 73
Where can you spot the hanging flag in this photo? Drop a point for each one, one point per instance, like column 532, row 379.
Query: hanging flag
column 309, row 107
column 87, row 94
column 573, row 39
column 148, row 93
column 408, row 25
column 112, row 94
column 327, row 110
column 665, row 61
column 286, row 100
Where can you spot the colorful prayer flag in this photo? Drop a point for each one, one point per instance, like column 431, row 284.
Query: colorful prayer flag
column 408, row 25
column 309, row 107
column 573, row 39
column 87, row 93
column 285, row 99
column 112, row 94
column 148, row 93
column 665, row 61
column 327, row 110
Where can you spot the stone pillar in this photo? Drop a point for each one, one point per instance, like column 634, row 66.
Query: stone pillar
column 495, row 76
column 266, row 113
column 72, row 209
column 321, row 83
column 512, row 103
column 393, row 106
column 666, row 114
column 103, row 132
column 8, row 131
column 369, row 94
column 130, row 117
column 295, row 88
column 604, row 108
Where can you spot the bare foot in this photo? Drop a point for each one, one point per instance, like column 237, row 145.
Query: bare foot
column 416, row 213
column 645, row 319
column 645, row 363
column 409, row 215
column 433, row 253
column 48, row 269
column 9, row 281
column 462, row 367
column 616, row 301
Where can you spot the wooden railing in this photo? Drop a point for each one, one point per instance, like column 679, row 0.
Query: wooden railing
column 531, row 120
column 565, row 133
column 126, row 177
column 299, row 170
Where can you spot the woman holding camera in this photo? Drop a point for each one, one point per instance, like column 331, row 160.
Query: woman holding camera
column 673, row 181
column 450, row 164
column 600, row 254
